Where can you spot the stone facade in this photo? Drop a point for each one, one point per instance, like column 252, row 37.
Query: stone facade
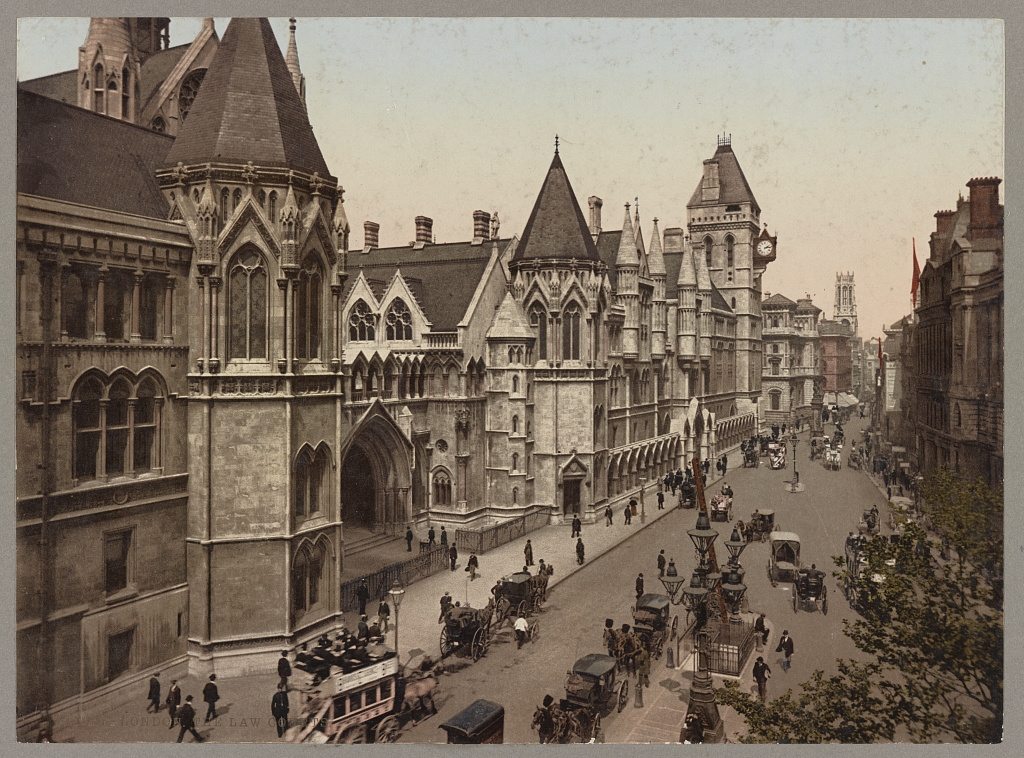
column 792, row 359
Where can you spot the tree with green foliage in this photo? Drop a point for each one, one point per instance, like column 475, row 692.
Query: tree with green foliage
column 931, row 618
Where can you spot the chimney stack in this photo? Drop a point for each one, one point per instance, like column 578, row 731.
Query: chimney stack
column 371, row 230
column 481, row 227
column 710, row 188
column 595, row 216
column 424, row 232
column 674, row 241
column 986, row 213
column 943, row 222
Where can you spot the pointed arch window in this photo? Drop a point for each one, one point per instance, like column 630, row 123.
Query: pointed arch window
column 571, row 333
column 515, row 424
column 729, row 243
column 515, row 461
column 188, row 91
column 398, row 321
column 99, row 92
column 124, row 95
column 539, row 320
column 442, row 488
column 309, row 310
column 312, row 482
column 272, row 207
column 515, row 495
column 248, row 306
column 159, row 125
column 515, row 384
column 360, row 322
column 707, row 250
column 263, row 199
column 225, row 209
column 236, row 200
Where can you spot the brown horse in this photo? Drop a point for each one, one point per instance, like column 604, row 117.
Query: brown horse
column 419, row 695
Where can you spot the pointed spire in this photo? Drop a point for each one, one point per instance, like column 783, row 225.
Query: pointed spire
column 292, row 61
column 510, row 321
column 636, row 228
column 627, row 255
column 340, row 220
column 207, row 203
column 655, row 258
column 687, row 271
column 290, row 209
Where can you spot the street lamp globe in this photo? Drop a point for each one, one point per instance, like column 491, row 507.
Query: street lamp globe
column 397, row 592
column 672, row 581
column 735, row 545
column 712, row 580
column 702, row 535
column 694, row 594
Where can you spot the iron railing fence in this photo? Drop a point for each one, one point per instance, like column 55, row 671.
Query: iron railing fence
column 489, row 537
column 424, row 564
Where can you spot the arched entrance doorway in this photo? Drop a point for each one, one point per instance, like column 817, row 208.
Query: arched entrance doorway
column 376, row 472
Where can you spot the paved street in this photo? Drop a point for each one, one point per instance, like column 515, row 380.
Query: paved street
column 581, row 598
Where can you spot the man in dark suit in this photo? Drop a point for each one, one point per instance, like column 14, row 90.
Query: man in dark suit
column 453, row 556
column 187, row 717
column 279, row 708
column 363, row 630
column 786, row 648
column 154, row 694
column 173, row 700
column 444, row 537
column 284, row 669
column 661, row 500
column 408, row 539
column 761, row 675
column 639, row 586
column 362, row 595
column 661, row 563
column 431, row 537
column 577, row 527
column 211, row 696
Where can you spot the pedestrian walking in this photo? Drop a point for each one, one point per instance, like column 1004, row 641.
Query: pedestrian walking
column 786, row 648
column 661, row 564
column 430, row 537
column 608, row 516
column 577, row 527
column 725, row 464
column 761, row 675
column 610, row 636
column 187, row 719
column 542, row 569
column 154, row 694
column 888, row 492
column 210, row 697
column 173, row 700
column 284, row 669
column 629, row 512
column 446, row 603
column 521, row 627
column 528, row 552
column 383, row 614
column 453, row 555
column 472, row 565
column 643, row 669
column 761, row 631
column 444, row 537
column 279, row 708
column 661, row 500
column 639, row 585
column 579, row 551
column 362, row 595
column 408, row 539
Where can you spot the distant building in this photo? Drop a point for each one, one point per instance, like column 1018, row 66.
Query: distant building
column 845, row 312
column 792, row 359
column 836, row 356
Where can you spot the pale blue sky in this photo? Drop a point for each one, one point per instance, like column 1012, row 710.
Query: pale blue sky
column 852, row 133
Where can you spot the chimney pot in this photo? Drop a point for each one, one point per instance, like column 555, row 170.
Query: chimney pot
column 481, row 227
column 371, row 232
column 943, row 222
column 424, row 231
column 986, row 213
column 595, row 215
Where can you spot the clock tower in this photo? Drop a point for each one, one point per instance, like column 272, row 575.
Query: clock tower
column 724, row 224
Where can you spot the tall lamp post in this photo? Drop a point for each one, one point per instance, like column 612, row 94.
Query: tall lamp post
column 796, row 476
column 643, row 512
column 397, row 592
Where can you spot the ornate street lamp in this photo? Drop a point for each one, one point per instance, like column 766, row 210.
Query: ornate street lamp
column 672, row 582
column 702, row 694
column 703, row 537
column 397, row 592
column 796, row 474
column 733, row 591
column 735, row 545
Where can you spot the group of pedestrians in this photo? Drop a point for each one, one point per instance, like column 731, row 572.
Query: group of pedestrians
column 183, row 713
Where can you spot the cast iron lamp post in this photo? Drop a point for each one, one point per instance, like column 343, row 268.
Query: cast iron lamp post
column 733, row 590
column 396, row 592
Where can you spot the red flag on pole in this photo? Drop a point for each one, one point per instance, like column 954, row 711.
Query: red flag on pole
column 917, row 274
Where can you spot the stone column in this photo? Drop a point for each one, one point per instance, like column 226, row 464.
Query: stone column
column 100, row 333
column 130, row 465
column 201, row 363
column 336, row 332
column 168, row 310
column 136, row 332
column 460, row 479
column 282, row 363
column 215, row 282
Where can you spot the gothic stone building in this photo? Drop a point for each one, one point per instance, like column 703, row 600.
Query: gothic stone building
column 216, row 389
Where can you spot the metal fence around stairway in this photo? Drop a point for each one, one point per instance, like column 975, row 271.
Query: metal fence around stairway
column 426, row 563
column 489, row 537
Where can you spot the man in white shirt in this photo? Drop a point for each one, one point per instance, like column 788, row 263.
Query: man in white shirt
column 521, row 628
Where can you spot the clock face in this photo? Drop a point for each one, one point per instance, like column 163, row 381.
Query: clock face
column 764, row 248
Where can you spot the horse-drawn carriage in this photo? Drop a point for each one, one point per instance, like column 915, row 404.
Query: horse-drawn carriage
column 524, row 594
column 591, row 690
column 368, row 704
column 810, row 590
column 687, row 494
column 868, row 523
column 466, row 630
column 777, row 455
column 833, row 460
column 720, row 508
column 751, row 457
column 761, row 524
column 854, row 460
column 783, row 557
column 650, row 622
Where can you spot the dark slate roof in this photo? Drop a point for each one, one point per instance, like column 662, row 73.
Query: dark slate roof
column 155, row 70
column 733, row 187
column 607, row 251
column 62, row 86
column 717, row 301
column 556, row 228
column 247, row 107
column 442, row 277
column 777, row 299
column 806, row 306
column 673, row 260
column 71, row 154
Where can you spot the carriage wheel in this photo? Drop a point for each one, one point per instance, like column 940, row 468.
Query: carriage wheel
column 387, row 730
column 478, row 644
column 675, row 626
column 446, row 643
column 623, row 695
column 795, row 602
column 771, row 576
column 595, row 729
column 521, row 608
column 534, row 631
column 824, row 601
column 355, row 735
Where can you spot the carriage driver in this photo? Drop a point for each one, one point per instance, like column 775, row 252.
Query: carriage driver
column 521, row 627
column 726, row 489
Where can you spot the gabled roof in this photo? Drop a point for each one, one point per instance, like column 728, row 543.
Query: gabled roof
column 556, row 228
column 806, row 306
column 155, row 70
column 247, row 107
column 443, row 278
column 779, row 301
column 733, row 187
column 717, row 301
column 71, row 154
column 62, row 86
column 510, row 321
column 607, row 250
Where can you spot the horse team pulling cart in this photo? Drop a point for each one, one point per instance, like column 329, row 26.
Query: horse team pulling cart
column 590, row 690
column 810, row 589
column 720, row 508
column 761, row 524
column 650, row 622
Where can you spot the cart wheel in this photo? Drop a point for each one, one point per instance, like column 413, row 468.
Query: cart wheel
column 521, row 609
column 446, row 643
column 794, row 600
column 824, row 601
column 675, row 627
column 595, row 730
column 623, row 695
column 534, row 631
column 478, row 644
column 355, row 735
column 387, row 730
